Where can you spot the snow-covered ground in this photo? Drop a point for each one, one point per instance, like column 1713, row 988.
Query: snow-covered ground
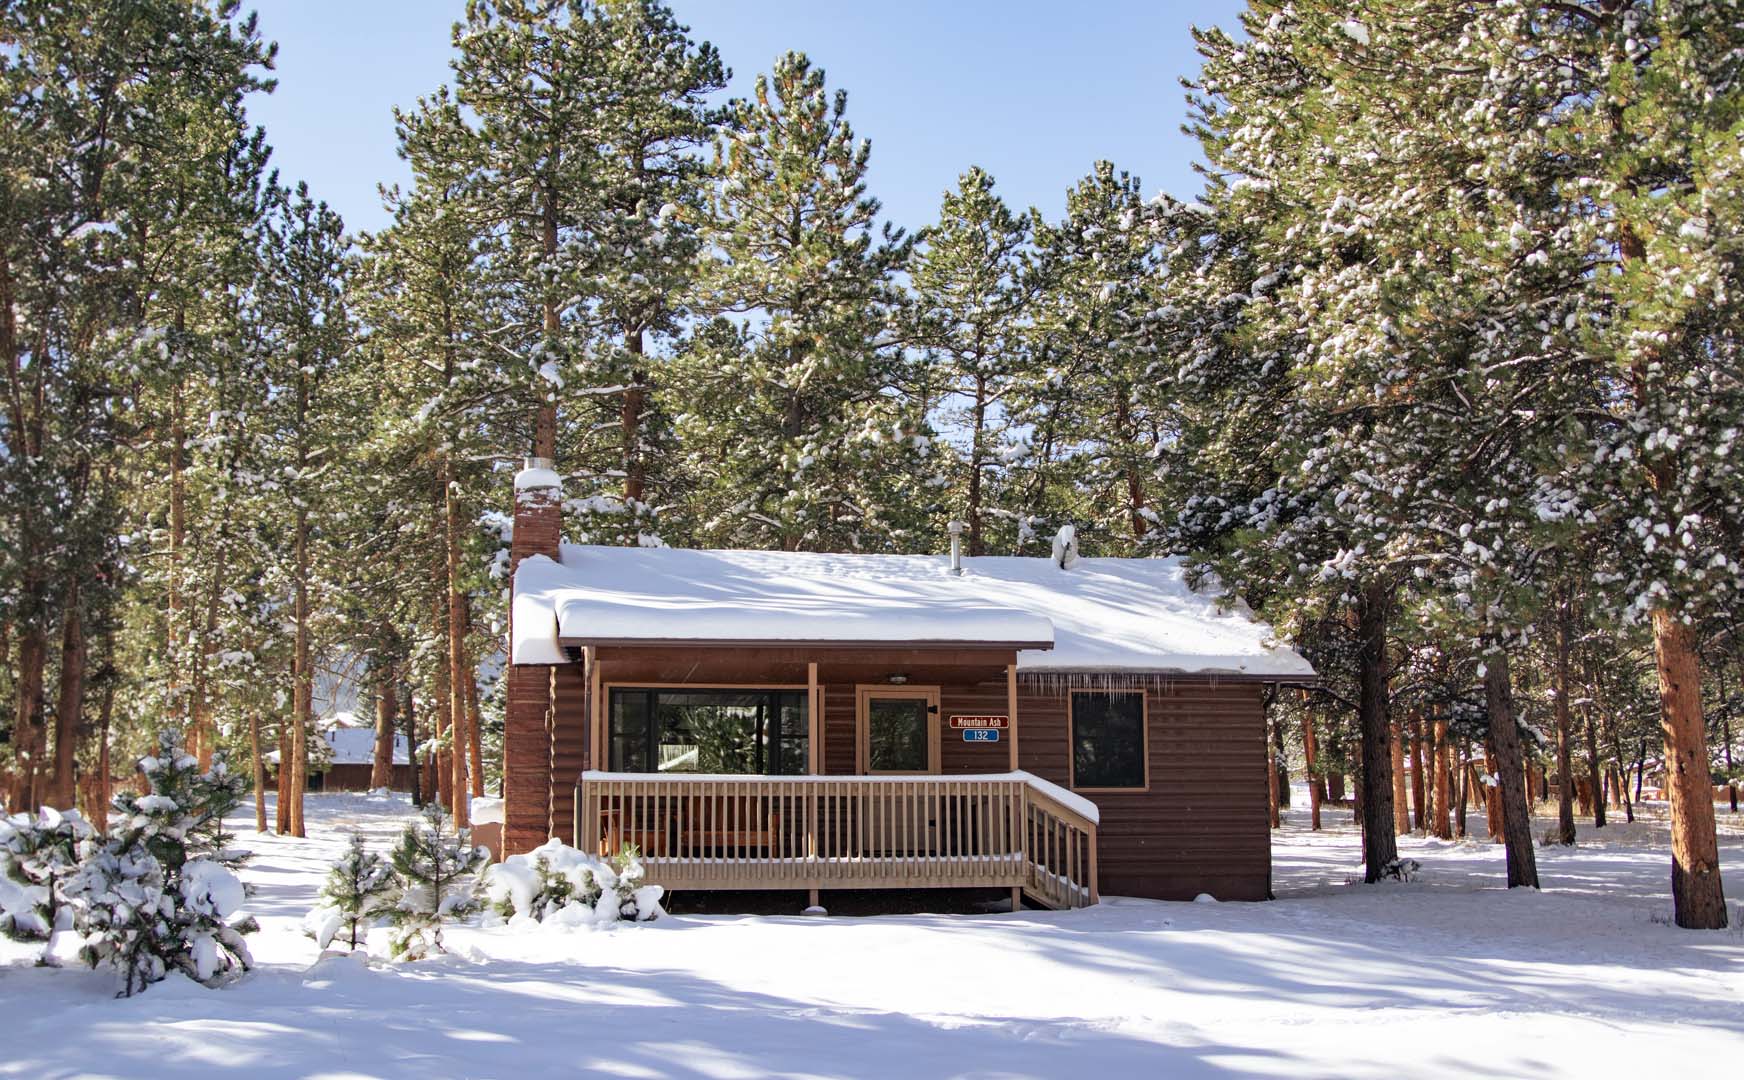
column 1447, row 976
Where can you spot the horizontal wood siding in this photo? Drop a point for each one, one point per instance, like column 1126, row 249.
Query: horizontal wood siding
column 355, row 777
column 569, row 745
column 1201, row 828
column 839, row 729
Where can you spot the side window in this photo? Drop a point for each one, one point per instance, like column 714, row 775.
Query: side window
column 1108, row 739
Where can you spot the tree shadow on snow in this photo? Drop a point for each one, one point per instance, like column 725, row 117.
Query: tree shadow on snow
column 451, row 1018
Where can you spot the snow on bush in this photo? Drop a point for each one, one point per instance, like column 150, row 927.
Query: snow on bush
column 439, row 881
column 37, row 856
column 558, row 885
column 360, row 886
column 156, row 893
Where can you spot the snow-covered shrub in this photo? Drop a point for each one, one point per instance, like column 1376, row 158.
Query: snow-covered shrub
column 559, row 885
column 156, row 893
column 359, row 887
column 542, row 882
column 439, row 881
column 37, row 857
column 636, row 901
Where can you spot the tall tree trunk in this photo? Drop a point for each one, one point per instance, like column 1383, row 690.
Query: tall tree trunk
column 303, row 694
column 1564, row 731
column 69, row 702
column 545, row 418
column 630, row 421
column 1726, row 736
column 1594, row 766
column 1464, row 802
column 1380, row 843
column 1401, row 807
column 282, row 809
column 1505, row 737
column 456, row 626
column 440, row 768
column 381, row 768
column 1698, row 901
column 1492, row 793
column 29, row 732
column 1441, row 820
column 105, row 715
column 205, row 730
column 1135, row 493
column 175, row 623
column 977, row 540
column 1273, row 810
column 410, row 712
column 474, row 734
column 259, row 763
column 1419, row 773
column 1281, row 763
column 1309, row 754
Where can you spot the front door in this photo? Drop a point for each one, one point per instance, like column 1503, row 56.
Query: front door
column 898, row 730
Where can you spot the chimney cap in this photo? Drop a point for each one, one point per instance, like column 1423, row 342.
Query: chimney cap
column 537, row 473
column 955, row 527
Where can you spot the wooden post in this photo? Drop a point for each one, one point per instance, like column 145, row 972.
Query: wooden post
column 596, row 718
column 1095, row 885
column 1011, row 707
column 815, row 754
column 814, row 722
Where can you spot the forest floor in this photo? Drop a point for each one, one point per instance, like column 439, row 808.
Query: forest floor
column 1448, row 975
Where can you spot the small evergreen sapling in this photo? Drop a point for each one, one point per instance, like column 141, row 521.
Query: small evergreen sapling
column 156, row 893
column 359, row 887
column 439, row 878
column 37, row 857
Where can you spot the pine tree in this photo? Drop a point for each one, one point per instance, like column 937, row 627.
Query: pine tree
column 359, row 887
column 648, row 229
column 1540, row 343
column 439, row 878
column 793, row 433
column 972, row 293
column 304, row 432
column 156, row 894
column 105, row 130
column 1094, row 270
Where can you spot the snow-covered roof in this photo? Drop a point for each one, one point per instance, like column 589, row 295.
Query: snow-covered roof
column 356, row 746
column 1133, row 615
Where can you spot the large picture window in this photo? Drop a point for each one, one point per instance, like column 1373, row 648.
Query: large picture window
column 681, row 730
column 1108, row 739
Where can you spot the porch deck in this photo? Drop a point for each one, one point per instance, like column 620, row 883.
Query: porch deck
column 1003, row 830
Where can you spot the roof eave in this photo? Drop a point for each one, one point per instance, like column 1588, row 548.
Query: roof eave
column 796, row 643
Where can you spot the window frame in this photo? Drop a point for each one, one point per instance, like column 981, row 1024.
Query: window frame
column 1072, row 741
column 607, row 689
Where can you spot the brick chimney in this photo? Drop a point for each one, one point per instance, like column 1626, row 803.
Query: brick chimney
column 538, row 512
column 526, row 731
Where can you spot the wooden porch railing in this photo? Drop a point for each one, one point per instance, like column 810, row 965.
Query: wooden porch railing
column 846, row 832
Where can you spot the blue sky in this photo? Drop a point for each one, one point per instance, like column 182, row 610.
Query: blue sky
column 1032, row 92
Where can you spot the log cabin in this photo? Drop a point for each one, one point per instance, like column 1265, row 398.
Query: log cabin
column 1058, row 726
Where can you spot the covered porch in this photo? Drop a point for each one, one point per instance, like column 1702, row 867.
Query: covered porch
column 741, row 767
